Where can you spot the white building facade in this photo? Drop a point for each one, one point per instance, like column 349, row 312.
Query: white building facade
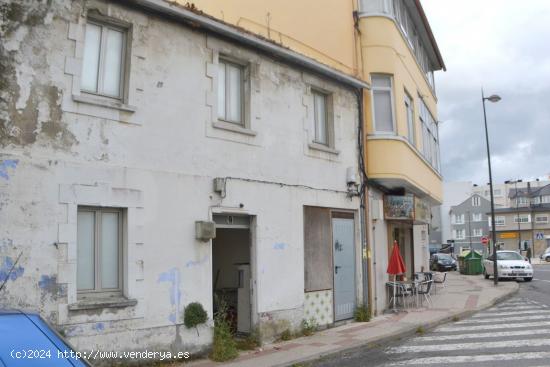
column 126, row 128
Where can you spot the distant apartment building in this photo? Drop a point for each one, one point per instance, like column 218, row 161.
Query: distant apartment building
column 454, row 193
column 469, row 223
column 526, row 222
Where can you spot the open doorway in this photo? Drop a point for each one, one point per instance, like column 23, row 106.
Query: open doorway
column 231, row 269
column 403, row 234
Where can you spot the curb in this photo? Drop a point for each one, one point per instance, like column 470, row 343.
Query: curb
column 403, row 333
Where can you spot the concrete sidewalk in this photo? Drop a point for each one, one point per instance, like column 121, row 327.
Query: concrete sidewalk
column 462, row 296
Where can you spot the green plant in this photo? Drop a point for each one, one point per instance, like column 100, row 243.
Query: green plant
column 309, row 326
column 224, row 347
column 420, row 330
column 456, row 318
column 248, row 343
column 361, row 313
column 194, row 315
column 286, row 335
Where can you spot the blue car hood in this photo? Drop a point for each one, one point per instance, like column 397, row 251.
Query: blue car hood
column 21, row 332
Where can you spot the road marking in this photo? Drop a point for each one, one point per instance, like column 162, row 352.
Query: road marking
column 510, row 313
column 498, row 334
column 503, row 319
column 493, row 327
column 473, row 359
column 533, row 307
column 470, row 346
column 542, row 280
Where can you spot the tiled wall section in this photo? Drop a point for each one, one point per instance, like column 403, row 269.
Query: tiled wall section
column 318, row 305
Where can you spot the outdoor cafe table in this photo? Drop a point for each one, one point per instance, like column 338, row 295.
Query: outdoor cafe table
column 409, row 284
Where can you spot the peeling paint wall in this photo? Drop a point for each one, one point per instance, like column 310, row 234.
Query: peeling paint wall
column 155, row 156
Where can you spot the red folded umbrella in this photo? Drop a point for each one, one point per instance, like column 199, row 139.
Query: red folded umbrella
column 396, row 264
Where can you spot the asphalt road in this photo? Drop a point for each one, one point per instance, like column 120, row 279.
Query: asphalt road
column 511, row 334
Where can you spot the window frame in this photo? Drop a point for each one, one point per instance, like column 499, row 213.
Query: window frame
column 476, row 201
column 519, row 218
column 392, row 103
column 328, row 121
column 243, row 68
column 477, row 217
column 125, row 29
column 409, row 112
column 540, row 216
column 99, row 292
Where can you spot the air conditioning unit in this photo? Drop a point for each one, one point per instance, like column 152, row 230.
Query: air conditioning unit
column 205, row 231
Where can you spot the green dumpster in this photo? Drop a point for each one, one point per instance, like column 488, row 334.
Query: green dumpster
column 470, row 263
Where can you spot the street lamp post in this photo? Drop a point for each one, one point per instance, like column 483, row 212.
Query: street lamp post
column 493, row 98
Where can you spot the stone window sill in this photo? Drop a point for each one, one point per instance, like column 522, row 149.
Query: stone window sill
column 101, row 102
column 95, row 303
column 323, row 148
column 224, row 125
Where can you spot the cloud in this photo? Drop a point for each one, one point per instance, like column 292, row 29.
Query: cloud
column 500, row 45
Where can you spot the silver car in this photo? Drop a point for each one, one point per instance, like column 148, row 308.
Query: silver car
column 546, row 255
column 511, row 265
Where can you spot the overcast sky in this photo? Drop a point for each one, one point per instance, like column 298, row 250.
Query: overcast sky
column 504, row 47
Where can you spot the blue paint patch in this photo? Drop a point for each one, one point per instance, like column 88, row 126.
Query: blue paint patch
column 4, row 165
column 99, row 326
column 279, row 246
column 5, row 267
column 197, row 262
column 47, row 282
column 172, row 276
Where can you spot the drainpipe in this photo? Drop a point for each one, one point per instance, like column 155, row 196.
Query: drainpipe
column 363, row 212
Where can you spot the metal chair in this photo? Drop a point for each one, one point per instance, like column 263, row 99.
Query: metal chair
column 439, row 280
column 401, row 292
column 424, row 289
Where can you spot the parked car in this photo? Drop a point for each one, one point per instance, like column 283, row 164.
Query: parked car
column 546, row 255
column 511, row 265
column 26, row 339
column 442, row 262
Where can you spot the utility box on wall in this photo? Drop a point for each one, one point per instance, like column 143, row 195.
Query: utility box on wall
column 205, row 231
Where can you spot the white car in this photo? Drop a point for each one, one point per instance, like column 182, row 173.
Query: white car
column 510, row 265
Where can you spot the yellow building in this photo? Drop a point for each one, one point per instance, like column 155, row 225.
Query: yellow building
column 390, row 45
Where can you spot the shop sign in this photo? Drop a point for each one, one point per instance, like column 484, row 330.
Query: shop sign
column 399, row 207
column 422, row 212
column 508, row 235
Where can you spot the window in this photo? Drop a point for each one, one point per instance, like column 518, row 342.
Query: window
column 522, row 218
column 522, row 201
column 458, row 218
column 460, row 234
column 477, row 232
column 321, row 118
column 545, row 199
column 99, row 251
column 410, row 118
column 476, row 201
column 103, row 60
column 430, row 136
column 230, row 92
column 499, row 220
column 541, row 218
column 382, row 104
column 477, row 217
column 497, row 193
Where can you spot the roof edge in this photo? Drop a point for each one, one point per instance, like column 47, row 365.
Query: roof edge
column 430, row 34
column 196, row 19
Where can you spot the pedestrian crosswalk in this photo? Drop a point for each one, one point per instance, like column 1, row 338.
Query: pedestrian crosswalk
column 514, row 333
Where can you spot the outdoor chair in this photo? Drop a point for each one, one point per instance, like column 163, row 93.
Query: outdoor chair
column 439, row 278
column 401, row 293
column 423, row 290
